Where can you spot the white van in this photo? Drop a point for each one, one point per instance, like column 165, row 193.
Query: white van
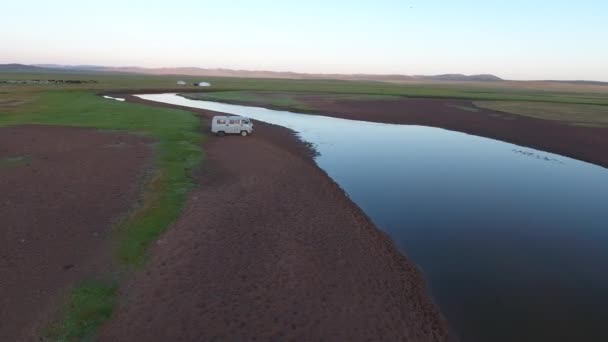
column 222, row 125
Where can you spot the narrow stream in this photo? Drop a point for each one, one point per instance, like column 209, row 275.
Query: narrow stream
column 513, row 241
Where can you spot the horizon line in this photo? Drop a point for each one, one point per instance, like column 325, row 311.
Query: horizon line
column 499, row 79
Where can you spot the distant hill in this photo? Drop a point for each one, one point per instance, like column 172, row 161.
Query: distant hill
column 72, row 67
column 192, row 71
column 461, row 77
column 22, row 68
column 295, row 75
column 48, row 69
column 203, row 72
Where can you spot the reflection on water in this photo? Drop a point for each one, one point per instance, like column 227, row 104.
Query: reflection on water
column 513, row 241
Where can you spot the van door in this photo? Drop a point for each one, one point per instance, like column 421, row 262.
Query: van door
column 235, row 125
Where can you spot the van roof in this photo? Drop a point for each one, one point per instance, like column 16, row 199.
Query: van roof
column 230, row 116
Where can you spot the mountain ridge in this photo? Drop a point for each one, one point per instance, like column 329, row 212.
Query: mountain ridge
column 224, row 72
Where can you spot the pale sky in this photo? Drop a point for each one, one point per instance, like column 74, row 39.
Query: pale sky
column 514, row 39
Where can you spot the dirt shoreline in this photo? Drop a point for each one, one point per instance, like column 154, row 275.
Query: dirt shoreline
column 60, row 195
column 269, row 247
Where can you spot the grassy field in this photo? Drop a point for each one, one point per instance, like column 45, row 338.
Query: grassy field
column 491, row 91
column 178, row 152
column 507, row 91
column 178, row 141
column 577, row 114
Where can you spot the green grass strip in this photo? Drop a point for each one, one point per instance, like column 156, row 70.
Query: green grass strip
column 15, row 161
column 89, row 306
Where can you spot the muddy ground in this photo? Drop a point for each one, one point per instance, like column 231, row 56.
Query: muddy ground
column 270, row 248
column 61, row 189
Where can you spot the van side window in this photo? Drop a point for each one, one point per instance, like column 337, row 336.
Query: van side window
column 245, row 122
column 221, row 121
column 233, row 122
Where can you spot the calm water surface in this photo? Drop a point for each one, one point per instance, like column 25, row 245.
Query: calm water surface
column 513, row 241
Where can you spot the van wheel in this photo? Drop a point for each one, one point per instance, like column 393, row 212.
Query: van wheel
column 244, row 133
column 221, row 133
